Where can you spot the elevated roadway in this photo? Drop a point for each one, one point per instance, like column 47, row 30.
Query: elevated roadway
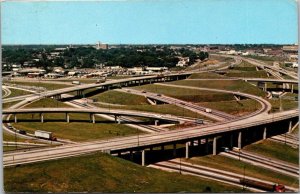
column 144, row 141
column 92, row 112
column 106, row 85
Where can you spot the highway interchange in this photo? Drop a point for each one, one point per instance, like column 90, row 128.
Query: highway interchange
column 225, row 122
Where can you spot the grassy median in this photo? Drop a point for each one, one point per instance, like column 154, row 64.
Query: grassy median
column 102, row 173
column 238, row 108
column 122, row 98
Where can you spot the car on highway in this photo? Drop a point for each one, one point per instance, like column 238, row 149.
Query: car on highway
column 158, row 95
column 225, row 149
column 10, row 127
column 143, row 91
column 23, row 132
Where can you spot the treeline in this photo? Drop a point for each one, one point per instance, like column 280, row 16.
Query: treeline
column 88, row 57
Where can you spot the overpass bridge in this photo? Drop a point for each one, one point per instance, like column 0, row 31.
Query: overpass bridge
column 231, row 133
column 92, row 112
column 133, row 81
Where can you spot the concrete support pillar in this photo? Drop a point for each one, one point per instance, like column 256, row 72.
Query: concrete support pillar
column 240, row 140
column 119, row 154
column 93, row 118
column 290, row 126
column 265, row 133
column 292, row 88
column 215, row 146
column 156, row 122
column 119, row 120
column 15, row 117
column 68, row 117
column 187, row 150
column 143, row 157
column 162, row 147
column 42, row 117
column 199, row 142
column 174, row 149
column 265, row 86
column 116, row 118
column 151, row 148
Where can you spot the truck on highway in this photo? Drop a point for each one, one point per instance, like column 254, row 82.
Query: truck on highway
column 101, row 80
column 76, row 82
column 208, row 110
column 44, row 135
column 264, row 186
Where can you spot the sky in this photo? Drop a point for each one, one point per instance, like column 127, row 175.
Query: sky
column 150, row 22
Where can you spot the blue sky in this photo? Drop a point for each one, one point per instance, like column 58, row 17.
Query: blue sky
column 150, row 21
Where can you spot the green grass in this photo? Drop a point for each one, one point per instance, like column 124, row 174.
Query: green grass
column 236, row 166
column 102, row 173
column 245, row 69
column 275, row 150
column 238, row 108
column 232, row 85
column 206, row 75
column 187, row 94
column 287, row 104
column 9, row 104
column 160, row 108
column 247, row 74
column 115, row 97
column 16, row 92
column 244, row 66
column 79, row 130
column 266, row 59
column 47, row 103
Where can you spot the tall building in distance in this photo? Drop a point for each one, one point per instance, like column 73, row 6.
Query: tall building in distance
column 100, row 45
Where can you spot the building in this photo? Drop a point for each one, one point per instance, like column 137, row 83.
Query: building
column 31, row 72
column 293, row 49
column 100, row 45
column 156, row 69
column 53, row 75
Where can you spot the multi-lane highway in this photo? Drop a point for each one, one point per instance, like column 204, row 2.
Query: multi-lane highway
column 144, row 140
